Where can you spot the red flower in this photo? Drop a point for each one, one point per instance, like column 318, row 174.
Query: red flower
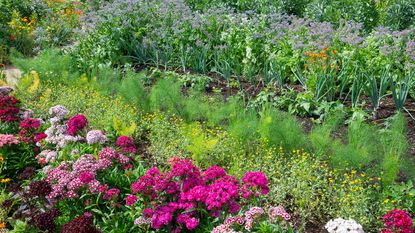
column 126, row 143
column 9, row 109
column 398, row 221
column 76, row 123
column 40, row 136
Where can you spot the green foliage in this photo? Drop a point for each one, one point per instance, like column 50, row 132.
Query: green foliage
column 166, row 96
column 395, row 145
column 281, row 129
column 361, row 148
column 133, row 91
column 321, row 135
column 399, row 196
column 51, row 65
column 400, row 14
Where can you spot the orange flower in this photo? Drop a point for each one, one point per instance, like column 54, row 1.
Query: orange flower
column 5, row 180
column 2, row 225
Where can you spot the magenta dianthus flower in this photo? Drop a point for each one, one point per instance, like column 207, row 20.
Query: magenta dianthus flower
column 86, row 177
column 111, row 194
column 398, row 221
column 131, row 200
column 254, row 183
column 126, row 143
column 76, row 123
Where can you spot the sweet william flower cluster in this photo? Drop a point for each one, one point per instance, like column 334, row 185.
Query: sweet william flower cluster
column 252, row 216
column 66, row 179
column 397, row 221
column 181, row 193
column 340, row 225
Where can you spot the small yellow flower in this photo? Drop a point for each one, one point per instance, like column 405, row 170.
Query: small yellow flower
column 386, row 201
column 1, row 159
column 5, row 180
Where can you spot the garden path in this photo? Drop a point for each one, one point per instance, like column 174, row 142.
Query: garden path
column 12, row 74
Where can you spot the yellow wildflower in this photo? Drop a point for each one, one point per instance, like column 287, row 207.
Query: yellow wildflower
column 5, row 180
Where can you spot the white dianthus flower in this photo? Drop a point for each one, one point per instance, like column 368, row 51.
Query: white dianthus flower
column 96, row 136
column 340, row 225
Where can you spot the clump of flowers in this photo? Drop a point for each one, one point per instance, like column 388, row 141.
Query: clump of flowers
column 66, row 179
column 96, row 136
column 278, row 213
column 126, row 143
column 28, row 130
column 76, row 124
column 7, row 140
column 46, row 221
column 183, row 191
column 9, row 109
column 111, row 194
column 39, row 188
column 81, row 224
column 250, row 219
column 397, row 221
column 340, row 225
column 255, row 183
column 58, row 112
column 47, row 156
column 57, row 133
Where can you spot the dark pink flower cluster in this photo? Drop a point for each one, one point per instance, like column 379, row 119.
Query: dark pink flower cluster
column 30, row 123
column 397, row 221
column 184, row 190
column 111, row 194
column 76, row 123
column 28, row 130
column 254, row 183
column 126, row 143
column 9, row 109
column 40, row 136
column 131, row 200
column 108, row 155
column 81, row 224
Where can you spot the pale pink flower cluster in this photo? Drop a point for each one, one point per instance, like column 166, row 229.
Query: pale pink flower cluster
column 142, row 221
column 96, row 136
column 57, row 132
column 278, row 213
column 66, row 181
column 47, row 156
column 8, row 139
column 248, row 219
column 251, row 215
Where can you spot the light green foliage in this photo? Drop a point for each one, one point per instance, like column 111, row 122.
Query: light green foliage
column 281, row 129
column 394, row 145
column 50, row 64
column 132, row 90
column 20, row 227
column 321, row 135
column 361, row 146
column 399, row 196
column 166, row 96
